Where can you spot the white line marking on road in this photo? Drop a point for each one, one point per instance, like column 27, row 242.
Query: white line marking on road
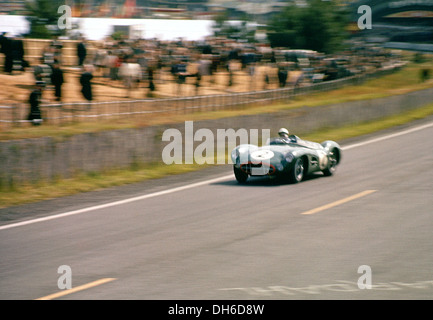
column 389, row 136
column 193, row 185
column 116, row 203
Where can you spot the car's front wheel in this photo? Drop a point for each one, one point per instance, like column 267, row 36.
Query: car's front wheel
column 297, row 173
column 333, row 161
column 240, row 175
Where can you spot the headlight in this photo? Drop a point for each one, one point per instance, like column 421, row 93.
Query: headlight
column 235, row 155
column 289, row 157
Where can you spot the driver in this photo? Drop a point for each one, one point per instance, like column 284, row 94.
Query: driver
column 284, row 134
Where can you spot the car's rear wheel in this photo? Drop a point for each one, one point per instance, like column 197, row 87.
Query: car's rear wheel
column 333, row 161
column 240, row 175
column 297, row 173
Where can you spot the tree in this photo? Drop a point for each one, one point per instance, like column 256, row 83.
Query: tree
column 222, row 27
column 43, row 18
column 319, row 25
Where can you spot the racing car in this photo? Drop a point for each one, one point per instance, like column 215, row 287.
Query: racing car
column 290, row 159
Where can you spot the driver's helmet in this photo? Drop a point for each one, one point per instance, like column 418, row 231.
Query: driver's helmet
column 283, row 133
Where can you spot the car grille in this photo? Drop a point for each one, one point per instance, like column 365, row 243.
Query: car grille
column 247, row 168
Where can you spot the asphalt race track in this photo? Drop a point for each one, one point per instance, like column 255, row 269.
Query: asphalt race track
column 204, row 236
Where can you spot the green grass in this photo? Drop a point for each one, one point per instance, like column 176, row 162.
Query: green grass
column 43, row 190
column 84, row 182
column 352, row 131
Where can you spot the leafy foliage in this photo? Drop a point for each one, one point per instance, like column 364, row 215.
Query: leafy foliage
column 43, row 18
column 320, row 25
column 223, row 28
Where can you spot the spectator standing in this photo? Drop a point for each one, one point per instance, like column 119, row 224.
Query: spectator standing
column 204, row 67
column 3, row 40
column 113, row 64
column 3, row 46
column 100, row 60
column 18, row 54
column 81, row 52
column 150, row 77
column 6, row 49
column 42, row 72
column 130, row 73
column 35, row 115
column 86, row 83
column 57, row 80
column 178, row 70
column 57, row 47
column 48, row 56
column 282, row 76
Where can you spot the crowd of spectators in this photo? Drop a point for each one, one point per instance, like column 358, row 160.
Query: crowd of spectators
column 148, row 62
column 132, row 61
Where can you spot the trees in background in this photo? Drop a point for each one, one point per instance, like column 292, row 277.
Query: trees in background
column 43, row 18
column 223, row 27
column 318, row 25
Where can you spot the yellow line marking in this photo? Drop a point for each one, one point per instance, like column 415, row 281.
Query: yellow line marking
column 76, row 289
column 337, row 203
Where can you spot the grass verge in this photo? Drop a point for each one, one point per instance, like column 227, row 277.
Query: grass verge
column 43, row 190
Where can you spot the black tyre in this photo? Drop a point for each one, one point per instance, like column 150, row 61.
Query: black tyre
column 240, row 175
column 297, row 173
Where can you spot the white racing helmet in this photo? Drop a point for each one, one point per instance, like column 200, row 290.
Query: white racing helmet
column 283, row 132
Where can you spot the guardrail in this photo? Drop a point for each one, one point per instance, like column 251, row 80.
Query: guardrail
column 16, row 114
